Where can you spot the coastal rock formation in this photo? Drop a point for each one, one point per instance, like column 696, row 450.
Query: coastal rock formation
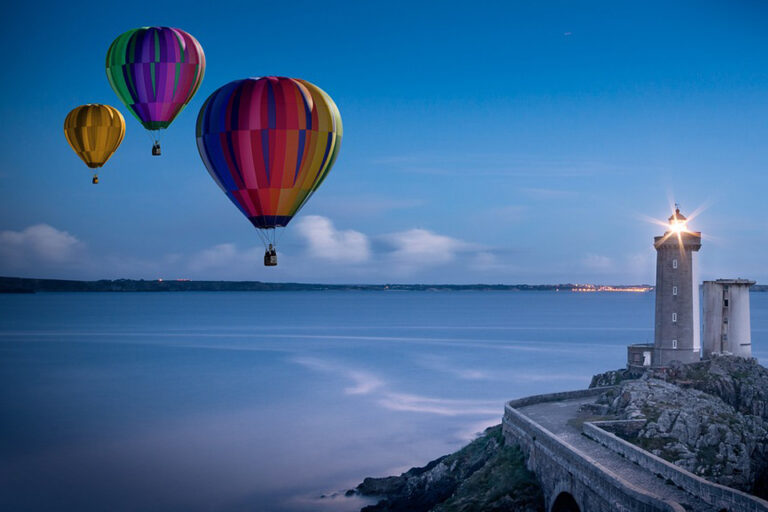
column 710, row 418
column 609, row 378
column 741, row 383
column 485, row 475
column 707, row 417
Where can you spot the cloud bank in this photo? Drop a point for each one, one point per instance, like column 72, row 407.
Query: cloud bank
column 315, row 249
column 39, row 247
column 325, row 242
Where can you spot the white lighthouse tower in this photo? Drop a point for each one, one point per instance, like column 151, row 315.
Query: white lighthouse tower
column 677, row 295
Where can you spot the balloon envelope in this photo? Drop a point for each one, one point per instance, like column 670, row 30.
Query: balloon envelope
column 155, row 71
column 269, row 143
column 94, row 132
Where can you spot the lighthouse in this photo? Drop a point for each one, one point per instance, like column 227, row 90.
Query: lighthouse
column 676, row 335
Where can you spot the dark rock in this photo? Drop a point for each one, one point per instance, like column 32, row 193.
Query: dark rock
column 610, row 378
column 484, row 475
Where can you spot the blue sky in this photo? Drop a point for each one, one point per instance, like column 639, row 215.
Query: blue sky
column 484, row 142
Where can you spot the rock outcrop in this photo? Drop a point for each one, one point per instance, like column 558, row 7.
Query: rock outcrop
column 708, row 417
column 609, row 378
column 741, row 383
column 485, row 475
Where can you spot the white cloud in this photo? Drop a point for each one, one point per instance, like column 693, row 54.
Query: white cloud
column 597, row 262
column 422, row 247
column 640, row 266
column 37, row 245
column 326, row 242
column 487, row 261
column 225, row 256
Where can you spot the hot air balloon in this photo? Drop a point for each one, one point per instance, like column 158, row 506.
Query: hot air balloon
column 269, row 143
column 155, row 71
column 94, row 132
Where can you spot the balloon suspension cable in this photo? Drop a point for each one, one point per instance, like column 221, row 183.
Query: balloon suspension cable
column 279, row 234
column 272, row 237
column 269, row 237
column 263, row 238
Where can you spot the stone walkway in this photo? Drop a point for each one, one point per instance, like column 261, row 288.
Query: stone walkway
column 555, row 417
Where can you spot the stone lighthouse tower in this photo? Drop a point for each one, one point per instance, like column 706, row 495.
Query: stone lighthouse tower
column 677, row 294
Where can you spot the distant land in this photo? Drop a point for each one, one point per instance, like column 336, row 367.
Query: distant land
column 27, row 285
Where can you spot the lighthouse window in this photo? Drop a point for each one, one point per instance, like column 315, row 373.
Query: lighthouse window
column 674, row 344
column 674, row 263
column 674, row 317
column 674, row 290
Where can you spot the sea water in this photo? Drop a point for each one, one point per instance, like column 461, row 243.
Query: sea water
column 278, row 401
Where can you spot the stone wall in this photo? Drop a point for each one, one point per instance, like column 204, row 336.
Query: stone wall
column 717, row 495
column 556, row 397
column 561, row 468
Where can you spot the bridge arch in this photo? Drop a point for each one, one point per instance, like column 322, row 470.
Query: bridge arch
column 565, row 502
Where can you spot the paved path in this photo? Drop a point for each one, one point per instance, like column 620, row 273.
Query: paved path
column 555, row 416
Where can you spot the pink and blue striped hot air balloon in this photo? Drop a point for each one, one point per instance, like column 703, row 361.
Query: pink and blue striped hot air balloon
column 269, row 143
column 155, row 71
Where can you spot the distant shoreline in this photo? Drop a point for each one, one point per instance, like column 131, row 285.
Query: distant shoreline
column 28, row 285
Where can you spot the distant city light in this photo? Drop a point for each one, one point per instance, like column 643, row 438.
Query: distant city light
column 596, row 288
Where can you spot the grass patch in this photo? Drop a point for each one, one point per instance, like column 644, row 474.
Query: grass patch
column 650, row 444
column 578, row 421
column 503, row 483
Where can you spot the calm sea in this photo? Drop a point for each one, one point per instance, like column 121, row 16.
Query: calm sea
column 267, row 401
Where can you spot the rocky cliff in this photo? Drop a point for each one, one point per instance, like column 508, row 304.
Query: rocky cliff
column 483, row 476
column 710, row 418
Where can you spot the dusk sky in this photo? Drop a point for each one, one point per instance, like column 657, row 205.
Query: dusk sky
column 508, row 142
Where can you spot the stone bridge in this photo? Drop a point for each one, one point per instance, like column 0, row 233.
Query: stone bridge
column 583, row 468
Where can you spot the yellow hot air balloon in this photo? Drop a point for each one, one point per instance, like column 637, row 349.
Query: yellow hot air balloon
column 94, row 131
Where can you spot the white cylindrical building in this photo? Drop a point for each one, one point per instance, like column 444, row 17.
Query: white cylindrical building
column 727, row 327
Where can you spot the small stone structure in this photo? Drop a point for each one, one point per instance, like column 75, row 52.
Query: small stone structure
column 726, row 317
column 639, row 356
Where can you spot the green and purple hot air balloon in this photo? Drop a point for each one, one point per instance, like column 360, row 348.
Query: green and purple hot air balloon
column 155, row 71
